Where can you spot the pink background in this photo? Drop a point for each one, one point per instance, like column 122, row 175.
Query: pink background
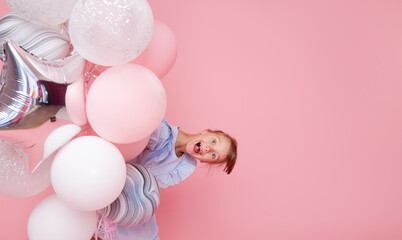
column 311, row 90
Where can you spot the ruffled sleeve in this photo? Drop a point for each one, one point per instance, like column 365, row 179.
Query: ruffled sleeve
column 184, row 169
column 160, row 137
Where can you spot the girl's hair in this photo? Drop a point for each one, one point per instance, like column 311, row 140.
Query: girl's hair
column 230, row 160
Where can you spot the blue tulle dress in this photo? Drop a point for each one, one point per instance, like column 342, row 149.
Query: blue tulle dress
column 160, row 158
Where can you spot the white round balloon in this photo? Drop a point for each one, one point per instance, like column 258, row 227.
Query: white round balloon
column 88, row 173
column 48, row 12
column 110, row 32
column 52, row 219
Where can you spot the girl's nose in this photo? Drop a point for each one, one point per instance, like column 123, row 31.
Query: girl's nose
column 206, row 148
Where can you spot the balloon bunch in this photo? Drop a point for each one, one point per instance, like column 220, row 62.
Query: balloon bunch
column 104, row 60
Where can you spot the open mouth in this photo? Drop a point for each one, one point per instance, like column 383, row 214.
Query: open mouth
column 197, row 148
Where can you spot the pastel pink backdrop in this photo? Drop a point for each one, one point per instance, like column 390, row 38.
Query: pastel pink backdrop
column 312, row 91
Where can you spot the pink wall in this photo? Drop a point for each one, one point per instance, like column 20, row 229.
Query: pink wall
column 312, row 91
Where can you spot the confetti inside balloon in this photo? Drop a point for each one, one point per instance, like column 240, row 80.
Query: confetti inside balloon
column 49, row 12
column 111, row 32
column 15, row 178
column 139, row 199
column 13, row 161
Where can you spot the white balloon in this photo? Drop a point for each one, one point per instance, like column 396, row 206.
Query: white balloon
column 57, row 139
column 52, row 219
column 110, row 32
column 48, row 12
column 88, row 173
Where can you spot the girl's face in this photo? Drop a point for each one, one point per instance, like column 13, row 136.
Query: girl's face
column 208, row 147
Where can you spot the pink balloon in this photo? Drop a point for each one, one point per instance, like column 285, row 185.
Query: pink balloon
column 76, row 93
column 129, row 150
column 132, row 150
column 126, row 103
column 161, row 52
column 75, row 102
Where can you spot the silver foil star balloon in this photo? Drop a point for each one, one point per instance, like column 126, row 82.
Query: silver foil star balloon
column 24, row 81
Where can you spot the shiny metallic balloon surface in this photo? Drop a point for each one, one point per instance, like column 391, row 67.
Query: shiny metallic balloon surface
column 62, row 71
column 21, row 90
column 44, row 42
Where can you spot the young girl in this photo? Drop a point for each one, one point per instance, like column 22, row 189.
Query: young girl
column 171, row 156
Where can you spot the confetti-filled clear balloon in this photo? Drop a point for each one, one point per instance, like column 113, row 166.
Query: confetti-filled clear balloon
column 15, row 179
column 48, row 12
column 110, row 32
column 44, row 42
column 13, row 164
column 139, row 199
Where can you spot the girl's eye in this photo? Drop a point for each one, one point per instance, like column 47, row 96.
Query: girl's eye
column 213, row 155
column 213, row 141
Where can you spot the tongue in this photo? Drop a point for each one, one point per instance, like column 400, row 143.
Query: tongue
column 196, row 148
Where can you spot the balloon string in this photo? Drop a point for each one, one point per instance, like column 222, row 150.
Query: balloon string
column 106, row 228
column 88, row 76
column 89, row 67
column 91, row 72
column 24, row 160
